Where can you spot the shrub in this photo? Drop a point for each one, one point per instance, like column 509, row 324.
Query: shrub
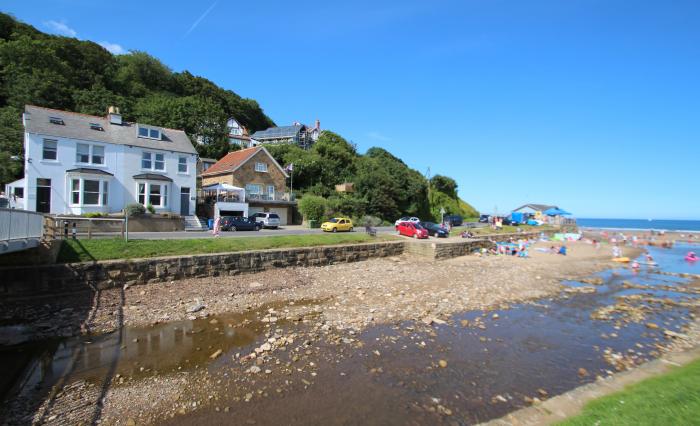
column 151, row 209
column 93, row 214
column 312, row 207
column 370, row 221
column 134, row 210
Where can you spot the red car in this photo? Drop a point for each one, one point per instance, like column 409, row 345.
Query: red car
column 411, row 229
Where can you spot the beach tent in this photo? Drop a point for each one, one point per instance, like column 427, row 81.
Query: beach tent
column 222, row 187
column 556, row 211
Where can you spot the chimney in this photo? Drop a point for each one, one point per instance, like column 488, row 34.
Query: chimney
column 114, row 116
column 318, row 124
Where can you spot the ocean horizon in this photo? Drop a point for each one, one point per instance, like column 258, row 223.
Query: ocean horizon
column 641, row 224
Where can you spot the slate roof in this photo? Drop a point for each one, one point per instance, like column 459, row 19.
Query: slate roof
column 77, row 126
column 536, row 207
column 278, row 132
column 152, row 176
column 88, row 170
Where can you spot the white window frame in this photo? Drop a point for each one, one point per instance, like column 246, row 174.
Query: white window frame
column 90, row 154
column 261, row 167
column 152, row 159
column 103, row 191
column 271, row 194
column 149, row 131
column 180, row 163
column 258, row 186
column 54, row 149
column 164, row 194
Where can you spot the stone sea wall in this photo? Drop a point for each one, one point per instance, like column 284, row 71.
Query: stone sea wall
column 72, row 277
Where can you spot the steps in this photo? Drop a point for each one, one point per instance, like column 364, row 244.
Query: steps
column 195, row 223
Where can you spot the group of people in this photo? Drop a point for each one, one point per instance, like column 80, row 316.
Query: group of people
column 519, row 249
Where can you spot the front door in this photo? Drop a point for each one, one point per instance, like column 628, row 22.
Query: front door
column 184, row 201
column 43, row 195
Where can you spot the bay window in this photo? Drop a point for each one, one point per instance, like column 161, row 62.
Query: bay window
column 88, row 192
column 154, row 194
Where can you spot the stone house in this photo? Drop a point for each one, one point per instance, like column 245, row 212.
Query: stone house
column 263, row 179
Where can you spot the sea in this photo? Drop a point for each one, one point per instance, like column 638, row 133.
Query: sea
column 641, row 224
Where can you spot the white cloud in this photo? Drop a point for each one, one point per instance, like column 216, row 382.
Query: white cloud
column 204, row 15
column 115, row 48
column 61, row 28
column 378, row 136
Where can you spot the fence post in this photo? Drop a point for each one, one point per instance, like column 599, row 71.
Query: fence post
column 74, row 231
column 89, row 229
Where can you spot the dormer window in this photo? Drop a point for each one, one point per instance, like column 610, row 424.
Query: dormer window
column 95, row 126
column 56, row 120
column 149, row 132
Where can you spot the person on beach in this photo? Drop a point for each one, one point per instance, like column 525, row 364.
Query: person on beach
column 596, row 245
column 616, row 252
column 649, row 258
column 562, row 250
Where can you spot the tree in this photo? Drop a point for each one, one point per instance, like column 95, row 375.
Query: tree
column 11, row 156
column 444, row 184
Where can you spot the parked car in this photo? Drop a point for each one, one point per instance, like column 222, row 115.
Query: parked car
column 484, row 218
column 268, row 220
column 453, row 219
column 337, row 224
column 238, row 223
column 435, row 230
column 407, row 219
column 411, row 229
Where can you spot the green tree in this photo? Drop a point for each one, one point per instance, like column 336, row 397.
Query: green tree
column 312, row 207
column 444, row 184
column 11, row 155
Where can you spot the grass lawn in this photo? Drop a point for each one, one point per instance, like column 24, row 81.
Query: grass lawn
column 671, row 399
column 113, row 248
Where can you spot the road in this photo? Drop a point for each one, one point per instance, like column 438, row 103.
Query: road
column 285, row 230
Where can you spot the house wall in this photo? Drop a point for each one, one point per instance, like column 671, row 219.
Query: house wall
column 122, row 161
column 246, row 174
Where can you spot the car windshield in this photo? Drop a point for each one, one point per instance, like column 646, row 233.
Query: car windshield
column 417, row 225
column 428, row 225
column 333, row 220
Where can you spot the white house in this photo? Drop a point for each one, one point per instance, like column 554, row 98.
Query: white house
column 77, row 163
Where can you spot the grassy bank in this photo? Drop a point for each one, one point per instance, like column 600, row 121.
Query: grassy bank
column 104, row 249
column 506, row 229
column 671, row 399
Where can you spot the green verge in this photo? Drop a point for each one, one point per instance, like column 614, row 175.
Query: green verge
column 105, row 249
column 670, row 399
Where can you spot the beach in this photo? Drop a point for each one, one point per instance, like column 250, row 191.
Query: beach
column 314, row 315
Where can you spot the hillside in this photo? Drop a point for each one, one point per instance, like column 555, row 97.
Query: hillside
column 76, row 75
column 79, row 75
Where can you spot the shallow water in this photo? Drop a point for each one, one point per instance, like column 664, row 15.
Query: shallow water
column 490, row 371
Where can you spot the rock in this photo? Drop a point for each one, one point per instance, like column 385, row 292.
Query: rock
column 673, row 334
column 254, row 284
column 216, row 354
column 427, row 321
column 254, row 369
column 214, row 321
column 266, row 347
column 442, row 363
column 465, row 323
column 542, row 392
column 495, row 316
column 582, row 372
column 195, row 308
column 652, row 326
column 130, row 422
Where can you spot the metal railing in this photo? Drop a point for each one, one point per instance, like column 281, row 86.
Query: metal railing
column 20, row 224
column 277, row 196
column 20, row 230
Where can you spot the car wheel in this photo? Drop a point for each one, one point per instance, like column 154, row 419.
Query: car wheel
column 233, row 228
column 351, row 229
column 415, row 236
column 398, row 232
column 335, row 230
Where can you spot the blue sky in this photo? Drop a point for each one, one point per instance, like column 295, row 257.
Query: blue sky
column 593, row 105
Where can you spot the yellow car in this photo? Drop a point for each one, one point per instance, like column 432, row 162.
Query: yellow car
column 337, row 224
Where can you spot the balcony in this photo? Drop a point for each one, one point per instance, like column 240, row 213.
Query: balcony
column 282, row 197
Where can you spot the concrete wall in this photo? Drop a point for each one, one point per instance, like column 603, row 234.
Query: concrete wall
column 62, row 278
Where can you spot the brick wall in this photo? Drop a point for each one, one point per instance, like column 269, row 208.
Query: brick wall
column 246, row 174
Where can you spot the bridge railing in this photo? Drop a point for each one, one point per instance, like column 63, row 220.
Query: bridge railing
column 20, row 230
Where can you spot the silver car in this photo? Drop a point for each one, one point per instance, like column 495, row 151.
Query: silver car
column 269, row 220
